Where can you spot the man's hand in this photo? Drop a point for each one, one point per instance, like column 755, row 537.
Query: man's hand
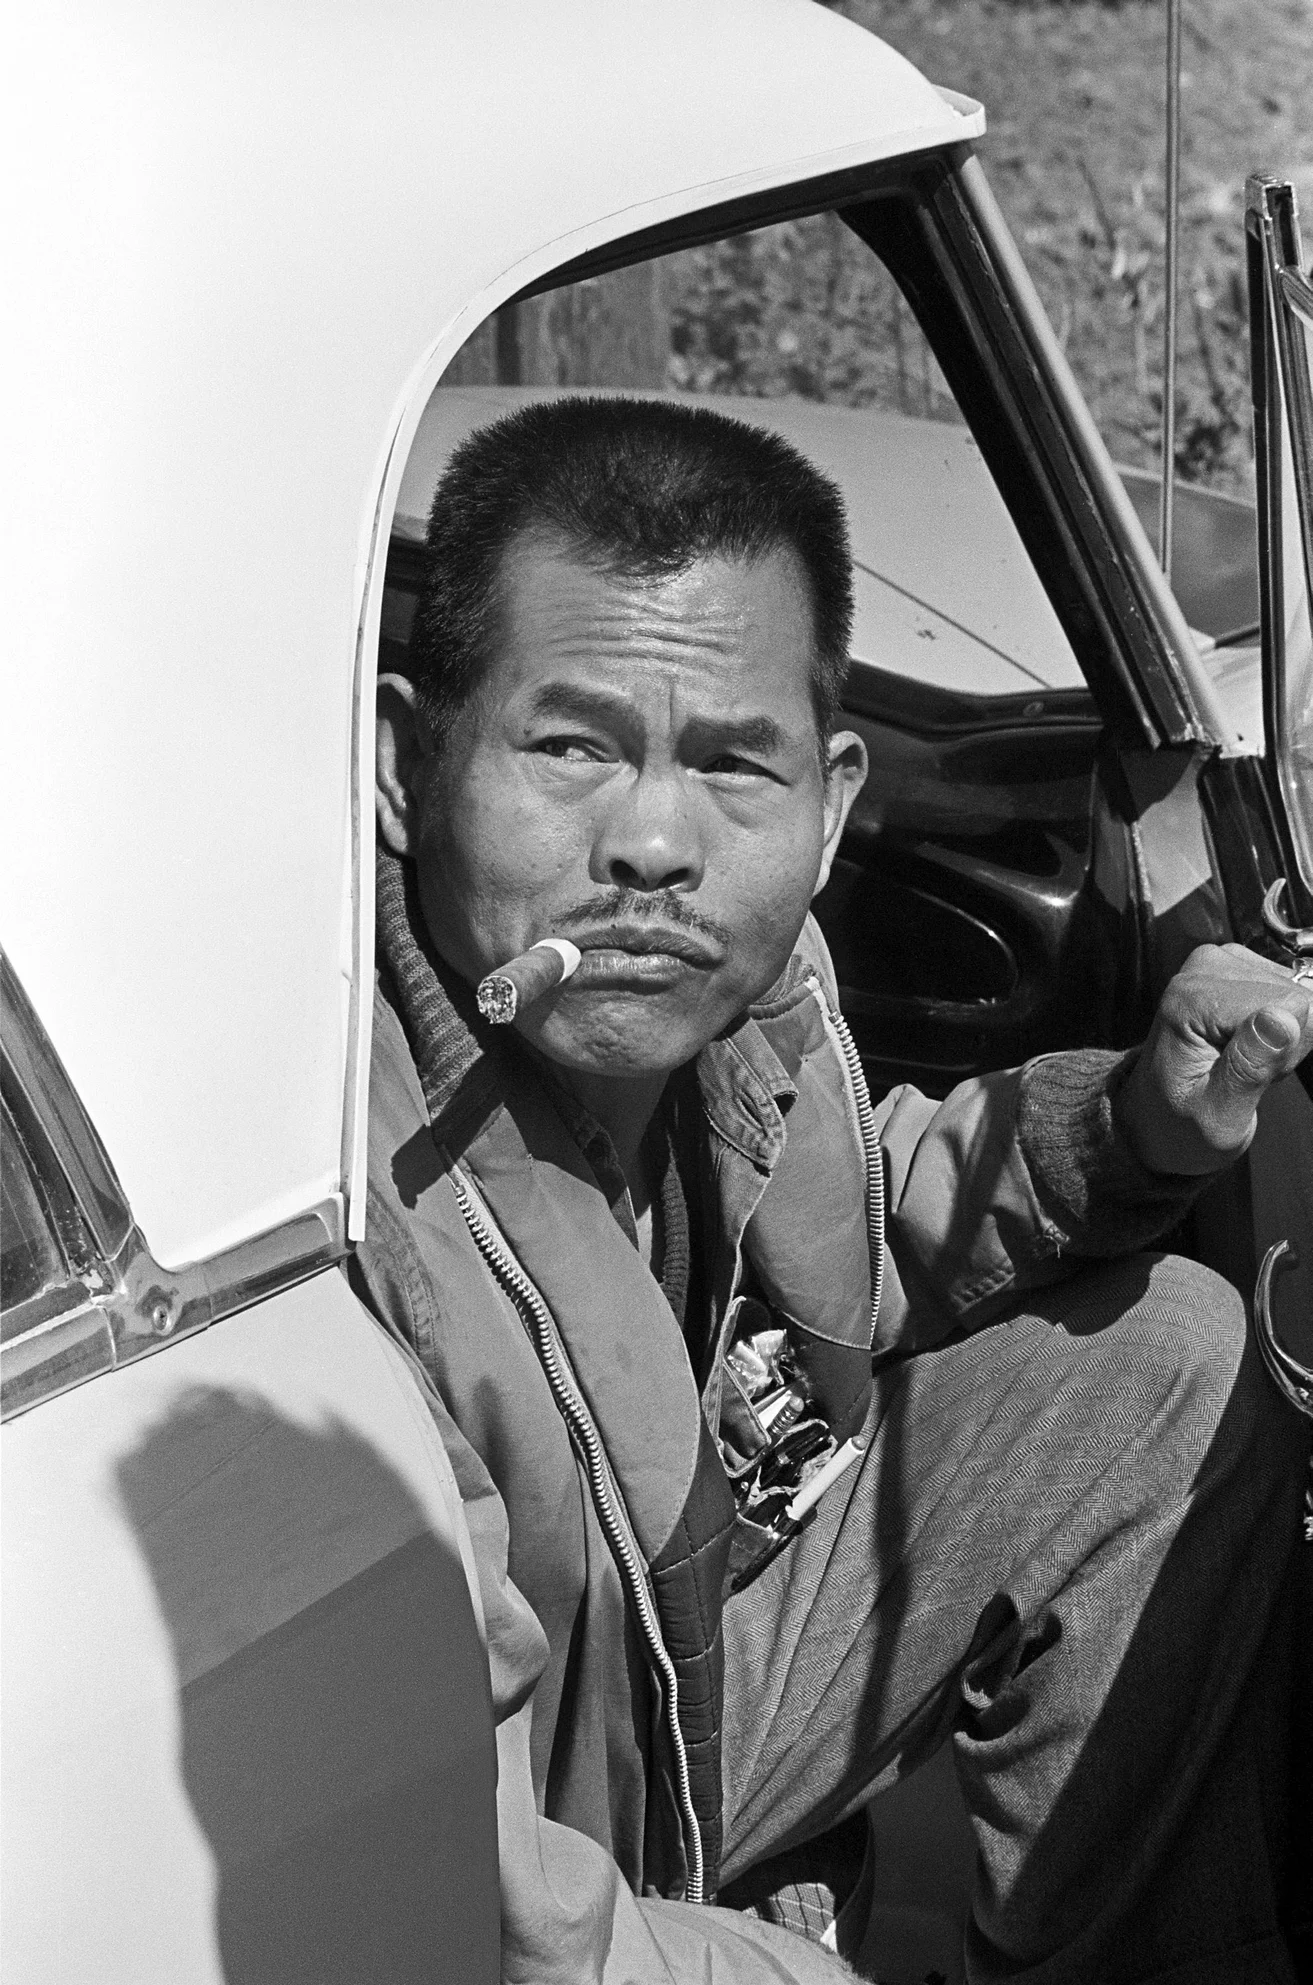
column 1228, row 1026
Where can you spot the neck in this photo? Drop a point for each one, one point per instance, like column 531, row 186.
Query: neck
column 624, row 1106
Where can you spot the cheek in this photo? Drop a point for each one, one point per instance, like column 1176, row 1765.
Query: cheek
column 774, row 879
column 501, row 844
column 488, row 855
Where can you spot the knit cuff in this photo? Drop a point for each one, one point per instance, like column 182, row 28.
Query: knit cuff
column 1087, row 1179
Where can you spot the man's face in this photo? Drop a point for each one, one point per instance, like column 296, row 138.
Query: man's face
column 639, row 772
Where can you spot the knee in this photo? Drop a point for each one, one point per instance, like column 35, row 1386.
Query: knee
column 1171, row 1339
column 1201, row 1309
column 1221, row 1397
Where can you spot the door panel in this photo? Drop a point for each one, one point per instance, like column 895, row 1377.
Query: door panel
column 248, row 1727
column 982, row 908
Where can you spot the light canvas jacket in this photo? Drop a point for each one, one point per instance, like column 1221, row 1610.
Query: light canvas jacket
column 583, row 1445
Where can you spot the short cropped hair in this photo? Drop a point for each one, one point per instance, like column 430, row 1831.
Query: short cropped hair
column 638, row 488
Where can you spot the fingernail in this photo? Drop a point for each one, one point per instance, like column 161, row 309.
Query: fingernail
column 1275, row 1027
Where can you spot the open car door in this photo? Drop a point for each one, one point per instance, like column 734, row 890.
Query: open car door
column 1281, row 328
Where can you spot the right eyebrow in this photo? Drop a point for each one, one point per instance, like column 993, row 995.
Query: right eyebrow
column 574, row 704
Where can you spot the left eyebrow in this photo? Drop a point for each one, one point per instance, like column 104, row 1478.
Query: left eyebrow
column 761, row 736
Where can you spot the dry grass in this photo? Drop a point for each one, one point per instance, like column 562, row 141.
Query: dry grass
column 1074, row 90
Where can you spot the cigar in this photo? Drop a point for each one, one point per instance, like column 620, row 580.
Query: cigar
column 511, row 988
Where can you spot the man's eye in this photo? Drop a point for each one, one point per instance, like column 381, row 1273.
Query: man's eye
column 729, row 763
column 580, row 749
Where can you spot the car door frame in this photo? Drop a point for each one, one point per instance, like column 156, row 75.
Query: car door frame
column 1279, row 290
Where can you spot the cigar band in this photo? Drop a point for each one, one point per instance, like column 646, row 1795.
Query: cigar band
column 569, row 954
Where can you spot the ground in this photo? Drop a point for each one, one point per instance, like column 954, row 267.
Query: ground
column 1074, row 92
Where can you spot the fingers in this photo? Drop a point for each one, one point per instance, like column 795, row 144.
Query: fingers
column 1220, row 986
column 1230, row 1024
column 1258, row 1050
column 1263, row 1048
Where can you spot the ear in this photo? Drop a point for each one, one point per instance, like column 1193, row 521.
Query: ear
column 402, row 750
column 845, row 775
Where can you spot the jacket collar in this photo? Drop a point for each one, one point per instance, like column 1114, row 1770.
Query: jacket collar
column 748, row 1074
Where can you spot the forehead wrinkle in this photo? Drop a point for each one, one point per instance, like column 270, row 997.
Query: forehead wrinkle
column 614, row 630
column 618, row 625
column 664, row 601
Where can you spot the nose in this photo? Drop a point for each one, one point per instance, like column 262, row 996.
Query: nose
column 648, row 837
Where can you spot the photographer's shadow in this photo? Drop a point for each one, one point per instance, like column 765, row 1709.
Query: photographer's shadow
column 336, row 1730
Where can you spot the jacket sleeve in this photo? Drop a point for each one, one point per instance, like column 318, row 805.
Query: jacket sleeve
column 1006, row 1184
column 567, row 1916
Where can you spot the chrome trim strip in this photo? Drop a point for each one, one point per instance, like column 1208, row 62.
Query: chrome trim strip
column 54, row 1357
column 149, row 1307
column 144, row 1306
column 54, row 1102
column 152, row 1306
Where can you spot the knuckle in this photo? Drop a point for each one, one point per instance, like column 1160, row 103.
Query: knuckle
column 1175, row 1012
column 1249, row 1069
column 1249, row 1059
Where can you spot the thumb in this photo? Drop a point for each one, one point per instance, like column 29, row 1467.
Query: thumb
column 1256, row 1054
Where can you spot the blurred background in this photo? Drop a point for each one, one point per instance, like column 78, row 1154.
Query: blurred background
column 1075, row 92
column 1075, row 95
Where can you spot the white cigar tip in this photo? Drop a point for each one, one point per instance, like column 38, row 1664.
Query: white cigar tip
column 569, row 954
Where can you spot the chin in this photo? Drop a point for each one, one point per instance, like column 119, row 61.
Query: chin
column 628, row 1046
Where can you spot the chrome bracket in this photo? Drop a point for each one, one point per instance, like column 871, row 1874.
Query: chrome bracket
column 1293, row 1380
column 1297, row 943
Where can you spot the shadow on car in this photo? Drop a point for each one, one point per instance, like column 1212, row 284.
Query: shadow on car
column 317, row 1755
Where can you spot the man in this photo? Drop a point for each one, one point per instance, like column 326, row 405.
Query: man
column 635, row 1246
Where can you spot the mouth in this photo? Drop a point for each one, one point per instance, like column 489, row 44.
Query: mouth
column 641, row 957
column 638, row 941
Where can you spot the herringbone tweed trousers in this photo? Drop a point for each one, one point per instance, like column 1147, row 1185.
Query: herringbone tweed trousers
column 1067, row 1550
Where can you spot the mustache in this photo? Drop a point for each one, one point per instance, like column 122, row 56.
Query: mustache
column 641, row 906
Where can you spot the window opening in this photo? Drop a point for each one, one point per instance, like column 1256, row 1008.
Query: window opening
column 798, row 326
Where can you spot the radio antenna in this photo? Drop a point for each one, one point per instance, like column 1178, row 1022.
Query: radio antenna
column 1172, row 201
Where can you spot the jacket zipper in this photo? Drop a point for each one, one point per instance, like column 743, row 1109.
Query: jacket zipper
column 875, row 1221
column 538, row 1319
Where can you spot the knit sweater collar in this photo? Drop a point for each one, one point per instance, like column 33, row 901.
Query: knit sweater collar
column 460, row 1068
column 460, row 1062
